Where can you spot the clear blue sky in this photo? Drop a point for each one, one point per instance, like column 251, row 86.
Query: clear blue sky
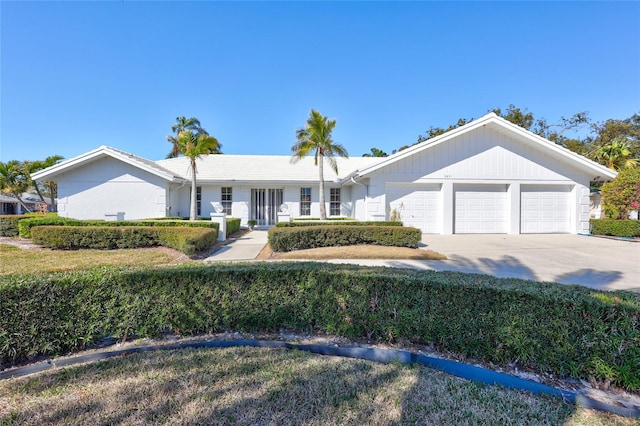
column 77, row 75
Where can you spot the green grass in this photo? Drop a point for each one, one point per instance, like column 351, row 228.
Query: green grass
column 269, row 386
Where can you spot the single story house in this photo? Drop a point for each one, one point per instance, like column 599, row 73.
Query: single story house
column 10, row 205
column 488, row 176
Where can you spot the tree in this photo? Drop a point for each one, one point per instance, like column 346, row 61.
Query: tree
column 182, row 124
column 194, row 145
column 375, row 152
column 627, row 131
column 50, row 187
column 13, row 181
column 315, row 138
column 622, row 194
column 616, row 155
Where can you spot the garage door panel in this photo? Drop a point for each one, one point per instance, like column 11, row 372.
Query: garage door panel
column 481, row 209
column 418, row 205
column 545, row 209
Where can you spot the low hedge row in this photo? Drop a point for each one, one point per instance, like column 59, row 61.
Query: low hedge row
column 9, row 223
column 299, row 238
column 185, row 239
column 566, row 330
column 25, row 225
column 618, row 228
column 233, row 225
column 317, row 222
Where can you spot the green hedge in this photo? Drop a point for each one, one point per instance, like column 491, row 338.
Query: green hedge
column 233, row 225
column 184, row 239
column 9, row 223
column 299, row 238
column 565, row 330
column 339, row 223
column 618, row 228
column 24, row 226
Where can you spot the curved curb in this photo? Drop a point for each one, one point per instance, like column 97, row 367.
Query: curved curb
column 454, row 368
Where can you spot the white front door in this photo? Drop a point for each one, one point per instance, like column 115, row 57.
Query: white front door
column 480, row 209
column 265, row 204
column 545, row 209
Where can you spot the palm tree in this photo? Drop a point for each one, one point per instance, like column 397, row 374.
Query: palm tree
column 13, row 181
column 181, row 125
column 316, row 137
column 193, row 145
column 31, row 167
column 616, row 155
column 375, row 152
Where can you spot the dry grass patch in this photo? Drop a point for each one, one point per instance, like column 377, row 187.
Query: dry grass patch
column 14, row 260
column 269, row 386
column 353, row 252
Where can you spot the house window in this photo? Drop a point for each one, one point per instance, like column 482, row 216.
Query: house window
column 226, row 196
column 334, row 202
column 199, row 199
column 305, row 201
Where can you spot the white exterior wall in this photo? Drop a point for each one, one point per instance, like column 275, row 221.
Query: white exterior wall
column 110, row 186
column 484, row 156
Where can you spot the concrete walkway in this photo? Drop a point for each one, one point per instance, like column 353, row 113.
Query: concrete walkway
column 245, row 248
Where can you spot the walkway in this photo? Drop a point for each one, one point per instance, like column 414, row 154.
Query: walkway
column 245, row 248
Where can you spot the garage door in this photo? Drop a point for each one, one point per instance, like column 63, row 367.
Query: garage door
column 419, row 206
column 545, row 209
column 480, row 209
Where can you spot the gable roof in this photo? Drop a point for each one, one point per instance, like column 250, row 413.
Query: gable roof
column 106, row 151
column 503, row 126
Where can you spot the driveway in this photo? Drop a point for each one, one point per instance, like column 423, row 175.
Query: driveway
column 601, row 263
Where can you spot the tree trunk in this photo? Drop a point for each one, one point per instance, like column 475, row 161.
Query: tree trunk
column 194, row 209
column 323, row 210
column 52, row 207
column 24, row 206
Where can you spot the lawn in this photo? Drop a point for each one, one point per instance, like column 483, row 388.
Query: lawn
column 270, row 386
column 353, row 252
column 15, row 260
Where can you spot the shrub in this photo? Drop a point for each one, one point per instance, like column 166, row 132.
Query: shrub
column 566, row 330
column 299, row 238
column 618, row 228
column 233, row 225
column 186, row 240
column 9, row 225
column 622, row 194
column 25, row 225
column 317, row 222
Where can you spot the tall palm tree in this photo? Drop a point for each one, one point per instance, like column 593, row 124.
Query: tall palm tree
column 616, row 155
column 315, row 138
column 194, row 145
column 13, row 181
column 180, row 126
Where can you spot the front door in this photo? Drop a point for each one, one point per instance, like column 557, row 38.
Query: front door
column 265, row 204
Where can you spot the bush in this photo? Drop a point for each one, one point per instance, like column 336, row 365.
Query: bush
column 9, row 225
column 618, row 228
column 566, row 330
column 233, row 225
column 299, row 238
column 317, row 222
column 25, row 225
column 622, row 194
column 186, row 240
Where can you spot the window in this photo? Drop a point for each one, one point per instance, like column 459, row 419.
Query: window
column 226, row 196
column 334, row 202
column 305, row 201
column 199, row 199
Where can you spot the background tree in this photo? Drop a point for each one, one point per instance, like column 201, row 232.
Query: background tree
column 182, row 124
column 616, row 155
column 49, row 187
column 315, row 138
column 194, row 145
column 13, row 181
column 375, row 152
column 622, row 194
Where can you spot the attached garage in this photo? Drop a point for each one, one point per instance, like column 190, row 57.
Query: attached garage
column 419, row 205
column 545, row 209
column 480, row 209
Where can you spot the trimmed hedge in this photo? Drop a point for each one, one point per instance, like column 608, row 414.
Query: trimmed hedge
column 317, row 222
column 618, row 228
column 184, row 239
column 233, row 225
column 9, row 223
column 24, row 226
column 299, row 238
column 566, row 330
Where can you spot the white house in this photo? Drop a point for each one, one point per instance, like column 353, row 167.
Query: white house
column 488, row 176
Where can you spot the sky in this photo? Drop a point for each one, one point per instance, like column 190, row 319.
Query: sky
column 80, row 74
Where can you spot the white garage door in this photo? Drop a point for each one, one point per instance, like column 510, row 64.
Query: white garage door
column 545, row 209
column 480, row 209
column 419, row 206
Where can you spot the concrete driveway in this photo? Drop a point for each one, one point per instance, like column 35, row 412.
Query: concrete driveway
column 601, row 263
